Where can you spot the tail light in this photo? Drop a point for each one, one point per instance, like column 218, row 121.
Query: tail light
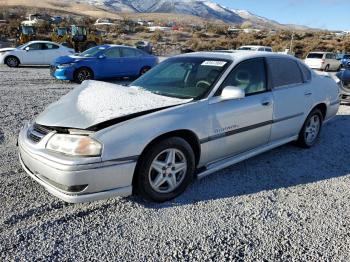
column 323, row 61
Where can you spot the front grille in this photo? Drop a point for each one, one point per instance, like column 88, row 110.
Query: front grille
column 37, row 132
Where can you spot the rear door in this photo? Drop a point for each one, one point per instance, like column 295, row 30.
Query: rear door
column 239, row 125
column 51, row 52
column 292, row 95
column 34, row 55
column 133, row 61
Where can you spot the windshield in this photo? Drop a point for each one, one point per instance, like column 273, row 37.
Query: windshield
column 183, row 77
column 21, row 46
column 27, row 30
column 61, row 31
column 93, row 51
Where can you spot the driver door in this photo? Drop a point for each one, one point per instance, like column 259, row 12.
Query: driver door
column 34, row 54
column 239, row 125
column 111, row 65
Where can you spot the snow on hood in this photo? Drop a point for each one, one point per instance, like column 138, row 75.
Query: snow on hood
column 71, row 59
column 7, row 49
column 94, row 102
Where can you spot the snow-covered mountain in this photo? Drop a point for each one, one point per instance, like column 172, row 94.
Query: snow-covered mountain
column 202, row 8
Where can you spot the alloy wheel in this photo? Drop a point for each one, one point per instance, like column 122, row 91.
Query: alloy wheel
column 84, row 75
column 312, row 129
column 168, row 170
column 12, row 62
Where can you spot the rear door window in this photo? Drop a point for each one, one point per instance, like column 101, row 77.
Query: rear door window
column 130, row 52
column 51, row 46
column 284, row 72
column 306, row 72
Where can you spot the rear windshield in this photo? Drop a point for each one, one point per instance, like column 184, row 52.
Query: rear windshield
column 315, row 55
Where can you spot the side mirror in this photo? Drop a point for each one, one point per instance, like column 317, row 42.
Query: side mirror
column 232, row 92
column 101, row 57
column 27, row 48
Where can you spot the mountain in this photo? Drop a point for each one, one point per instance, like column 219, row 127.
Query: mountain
column 201, row 8
column 204, row 9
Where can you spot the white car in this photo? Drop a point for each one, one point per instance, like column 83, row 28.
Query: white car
column 323, row 61
column 33, row 53
column 255, row 48
column 190, row 116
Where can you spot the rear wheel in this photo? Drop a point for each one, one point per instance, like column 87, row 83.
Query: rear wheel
column 12, row 61
column 83, row 74
column 311, row 129
column 326, row 69
column 144, row 70
column 165, row 170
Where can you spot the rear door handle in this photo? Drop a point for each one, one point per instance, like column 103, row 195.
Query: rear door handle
column 307, row 93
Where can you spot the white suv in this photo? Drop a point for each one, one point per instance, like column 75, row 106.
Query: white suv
column 323, row 61
column 255, row 48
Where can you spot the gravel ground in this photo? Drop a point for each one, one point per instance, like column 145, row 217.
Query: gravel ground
column 288, row 204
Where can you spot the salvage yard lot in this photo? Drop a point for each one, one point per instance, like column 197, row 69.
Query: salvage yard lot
column 286, row 204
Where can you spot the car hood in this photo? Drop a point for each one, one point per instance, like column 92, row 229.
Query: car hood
column 71, row 59
column 7, row 49
column 95, row 102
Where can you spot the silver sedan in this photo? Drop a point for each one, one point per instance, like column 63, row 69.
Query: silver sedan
column 190, row 116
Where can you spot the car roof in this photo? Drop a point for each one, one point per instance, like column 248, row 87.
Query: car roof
column 257, row 46
column 42, row 42
column 320, row 52
column 235, row 55
column 111, row 45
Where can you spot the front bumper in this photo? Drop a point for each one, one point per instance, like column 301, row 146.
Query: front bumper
column 62, row 73
column 71, row 181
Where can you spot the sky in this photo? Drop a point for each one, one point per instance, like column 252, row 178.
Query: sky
column 325, row 14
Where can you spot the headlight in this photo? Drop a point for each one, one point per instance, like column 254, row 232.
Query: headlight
column 61, row 66
column 75, row 145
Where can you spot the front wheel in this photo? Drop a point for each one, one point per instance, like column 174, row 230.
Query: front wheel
column 144, row 70
column 12, row 61
column 165, row 170
column 83, row 74
column 311, row 129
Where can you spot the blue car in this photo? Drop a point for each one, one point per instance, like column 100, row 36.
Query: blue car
column 344, row 59
column 105, row 61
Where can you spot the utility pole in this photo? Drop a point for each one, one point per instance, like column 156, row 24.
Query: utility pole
column 291, row 43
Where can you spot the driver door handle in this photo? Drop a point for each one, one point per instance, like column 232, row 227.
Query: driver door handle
column 266, row 102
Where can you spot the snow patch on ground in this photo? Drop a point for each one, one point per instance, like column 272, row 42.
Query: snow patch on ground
column 100, row 101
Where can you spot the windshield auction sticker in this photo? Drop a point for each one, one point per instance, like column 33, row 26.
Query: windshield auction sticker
column 214, row 63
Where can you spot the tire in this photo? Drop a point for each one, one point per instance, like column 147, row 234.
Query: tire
column 156, row 178
column 83, row 74
column 326, row 69
column 12, row 61
column 144, row 70
column 311, row 129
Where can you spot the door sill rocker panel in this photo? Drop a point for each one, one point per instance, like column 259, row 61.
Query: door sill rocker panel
column 223, row 163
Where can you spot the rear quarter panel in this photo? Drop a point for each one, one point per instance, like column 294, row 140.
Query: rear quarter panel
column 326, row 91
